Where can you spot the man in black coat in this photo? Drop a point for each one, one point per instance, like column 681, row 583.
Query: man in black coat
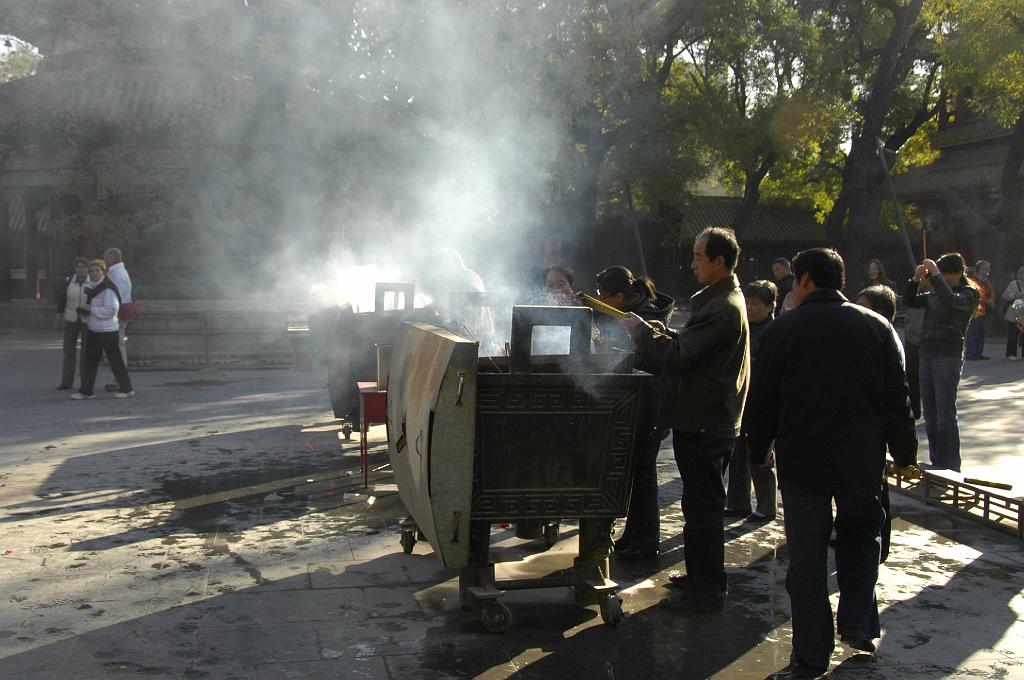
column 830, row 390
column 707, row 367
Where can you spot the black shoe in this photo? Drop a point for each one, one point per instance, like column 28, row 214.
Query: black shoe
column 633, row 554
column 620, row 544
column 862, row 644
column 682, row 582
column 112, row 387
column 982, row 357
column 796, row 669
column 63, row 387
column 972, row 358
column 758, row 518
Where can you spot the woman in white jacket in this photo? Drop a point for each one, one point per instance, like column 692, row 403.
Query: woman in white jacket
column 103, row 301
column 73, row 297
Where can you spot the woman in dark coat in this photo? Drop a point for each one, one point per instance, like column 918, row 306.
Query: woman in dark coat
column 618, row 287
column 948, row 309
column 760, row 297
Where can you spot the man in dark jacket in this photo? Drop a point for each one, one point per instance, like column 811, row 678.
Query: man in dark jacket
column 707, row 366
column 829, row 388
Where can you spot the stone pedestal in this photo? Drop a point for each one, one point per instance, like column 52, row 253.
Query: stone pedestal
column 196, row 334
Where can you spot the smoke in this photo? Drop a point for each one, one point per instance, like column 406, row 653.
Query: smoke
column 304, row 150
column 430, row 128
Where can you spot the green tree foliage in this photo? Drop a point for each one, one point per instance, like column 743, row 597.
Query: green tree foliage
column 984, row 55
column 749, row 90
column 883, row 52
column 608, row 67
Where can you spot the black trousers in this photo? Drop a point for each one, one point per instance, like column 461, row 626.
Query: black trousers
column 858, row 521
column 643, row 521
column 742, row 472
column 98, row 344
column 72, row 355
column 1013, row 339
column 701, row 460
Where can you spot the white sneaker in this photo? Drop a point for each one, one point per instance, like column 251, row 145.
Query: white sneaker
column 79, row 395
column 124, row 395
column 1011, row 358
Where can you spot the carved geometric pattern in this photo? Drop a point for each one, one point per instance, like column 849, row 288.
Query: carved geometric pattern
column 554, row 446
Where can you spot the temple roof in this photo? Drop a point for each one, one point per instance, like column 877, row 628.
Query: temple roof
column 134, row 96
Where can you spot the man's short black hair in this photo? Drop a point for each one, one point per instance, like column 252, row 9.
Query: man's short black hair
column 881, row 299
column 721, row 242
column 766, row 291
column 783, row 261
column 824, row 265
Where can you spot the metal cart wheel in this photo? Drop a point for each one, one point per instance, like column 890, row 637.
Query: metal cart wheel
column 408, row 540
column 496, row 617
column 611, row 609
column 551, row 533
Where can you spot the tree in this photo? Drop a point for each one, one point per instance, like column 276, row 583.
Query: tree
column 609, row 66
column 749, row 91
column 886, row 53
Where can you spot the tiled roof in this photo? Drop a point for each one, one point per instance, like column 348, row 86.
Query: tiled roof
column 118, row 95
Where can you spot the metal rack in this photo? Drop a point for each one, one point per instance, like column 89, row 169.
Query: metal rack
column 948, row 490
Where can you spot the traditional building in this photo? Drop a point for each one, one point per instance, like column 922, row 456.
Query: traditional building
column 90, row 144
column 958, row 196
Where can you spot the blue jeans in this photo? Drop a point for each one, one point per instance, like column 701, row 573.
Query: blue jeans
column 974, row 345
column 940, row 378
column 858, row 522
column 701, row 460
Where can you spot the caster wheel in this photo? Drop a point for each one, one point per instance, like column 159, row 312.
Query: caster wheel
column 496, row 617
column 551, row 533
column 611, row 610
column 347, row 431
column 408, row 541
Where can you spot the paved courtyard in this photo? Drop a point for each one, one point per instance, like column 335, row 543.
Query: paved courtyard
column 215, row 526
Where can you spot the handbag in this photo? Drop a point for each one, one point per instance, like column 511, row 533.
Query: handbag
column 128, row 311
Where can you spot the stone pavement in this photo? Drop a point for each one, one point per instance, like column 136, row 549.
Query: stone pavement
column 214, row 526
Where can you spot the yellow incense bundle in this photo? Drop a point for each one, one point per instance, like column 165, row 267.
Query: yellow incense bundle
column 601, row 307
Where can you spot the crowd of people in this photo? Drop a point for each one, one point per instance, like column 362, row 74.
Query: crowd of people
column 784, row 386
column 92, row 305
column 787, row 385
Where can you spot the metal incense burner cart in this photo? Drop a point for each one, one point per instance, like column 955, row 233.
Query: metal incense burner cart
column 352, row 354
column 478, row 440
